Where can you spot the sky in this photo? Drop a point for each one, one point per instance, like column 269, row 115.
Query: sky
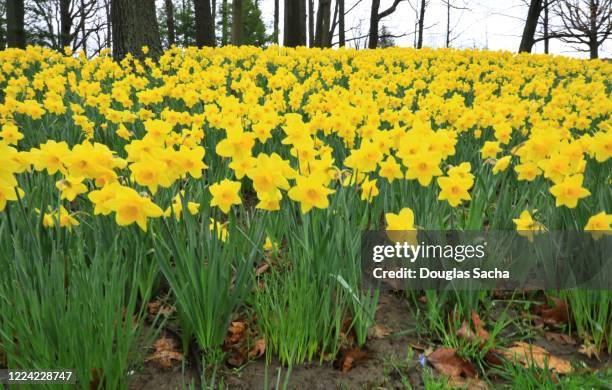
column 492, row 24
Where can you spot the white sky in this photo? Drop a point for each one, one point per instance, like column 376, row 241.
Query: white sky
column 492, row 24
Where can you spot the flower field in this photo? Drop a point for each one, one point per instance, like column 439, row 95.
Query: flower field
column 204, row 212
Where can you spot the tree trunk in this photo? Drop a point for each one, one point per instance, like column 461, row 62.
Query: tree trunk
column 65, row 24
column 533, row 15
column 421, row 24
column 2, row 37
column 109, row 32
column 593, row 47
column 225, row 27
column 170, row 22
column 448, row 7
column 295, row 23
column 134, row 25
column 302, row 20
column 334, row 23
column 546, row 38
column 82, row 28
column 311, row 24
column 205, row 26
column 341, row 31
column 373, row 36
column 15, row 32
column 593, row 44
column 237, row 24
column 276, row 20
column 323, row 23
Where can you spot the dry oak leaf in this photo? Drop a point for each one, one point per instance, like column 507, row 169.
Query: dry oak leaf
column 165, row 353
column 156, row 307
column 447, row 362
column 479, row 333
column 350, row 358
column 262, row 268
column 534, row 355
column 560, row 338
column 235, row 332
column 555, row 315
column 379, row 331
column 258, row 348
column 589, row 350
column 469, row 383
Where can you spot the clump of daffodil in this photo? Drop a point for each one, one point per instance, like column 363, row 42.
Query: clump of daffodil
column 62, row 217
column 310, row 191
column 219, row 228
column 501, row 164
column 225, row 195
column 454, row 187
column 70, row 187
column 526, row 226
column 568, row 191
column 177, row 207
column 131, row 207
column 599, row 224
column 400, row 226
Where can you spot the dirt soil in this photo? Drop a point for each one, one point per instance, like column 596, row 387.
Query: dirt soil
column 375, row 371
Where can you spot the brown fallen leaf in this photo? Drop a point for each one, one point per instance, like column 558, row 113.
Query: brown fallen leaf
column 560, row 338
column 534, row 355
column 589, row 350
column 481, row 332
column 468, row 383
column 262, row 268
column 235, row 332
column 466, row 332
column 555, row 315
column 379, row 331
column 558, row 314
column 154, row 307
column 493, row 357
column 418, row 347
column 96, row 378
column 258, row 348
column 478, row 333
column 236, row 358
column 166, row 352
column 350, row 357
column 447, row 362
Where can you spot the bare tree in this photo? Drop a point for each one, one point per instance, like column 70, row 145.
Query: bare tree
column 334, row 24
column 295, row 23
column 531, row 23
column 2, row 28
column 421, row 23
column 83, row 30
column 311, row 24
column 109, row 30
column 584, row 22
column 322, row 37
column 66, row 23
column 376, row 17
column 546, row 25
column 450, row 6
column 134, row 25
column 341, row 27
column 205, row 25
column 276, row 20
column 170, row 22
column 15, row 31
column 237, row 23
